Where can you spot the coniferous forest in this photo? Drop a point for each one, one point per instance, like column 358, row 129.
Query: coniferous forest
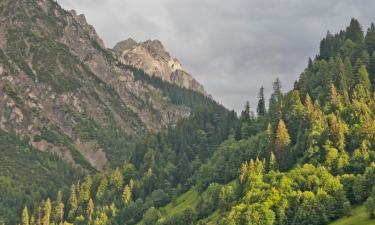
column 306, row 158
column 302, row 157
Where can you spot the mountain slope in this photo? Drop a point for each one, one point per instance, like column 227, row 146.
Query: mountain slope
column 58, row 77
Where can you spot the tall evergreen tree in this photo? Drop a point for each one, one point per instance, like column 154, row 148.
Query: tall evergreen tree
column 72, row 202
column 58, row 209
column 354, row 32
column 47, row 212
column 272, row 165
column 25, row 216
column 261, row 108
column 127, row 194
column 282, row 142
column 90, row 211
column 363, row 78
column 245, row 114
column 275, row 103
column 282, row 139
column 370, row 39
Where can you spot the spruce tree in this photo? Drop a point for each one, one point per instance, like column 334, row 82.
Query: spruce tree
column 275, row 103
column 245, row 114
column 370, row 39
column 272, row 165
column 354, row 32
column 261, row 108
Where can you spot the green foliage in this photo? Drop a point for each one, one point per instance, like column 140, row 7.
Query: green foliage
column 27, row 176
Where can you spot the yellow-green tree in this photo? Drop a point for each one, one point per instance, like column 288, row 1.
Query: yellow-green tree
column 281, row 145
column 127, row 194
column 25, row 216
column 72, row 202
column 47, row 212
column 90, row 211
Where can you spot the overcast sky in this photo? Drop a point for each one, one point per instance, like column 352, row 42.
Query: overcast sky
column 233, row 47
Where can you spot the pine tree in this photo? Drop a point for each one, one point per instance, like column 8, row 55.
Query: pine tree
column 47, row 212
column 261, row 108
column 282, row 139
column 275, row 103
column 72, row 202
column 102, row 219
column 59, row 209
column 25, row 216
column 245, row 114
column 354, row 32
column 310, row 64
column 127, row 194
column 272, row 165
column 370, row 39
column 251, row 168
column 39, row 214
column 336, row 132
column 116, row 179
column 101, row 189
column 85, row 190
column 335, row 99
column 363, row 78
column 282, row 142
column 90, row 211
column 59, row 213
column 244, row 172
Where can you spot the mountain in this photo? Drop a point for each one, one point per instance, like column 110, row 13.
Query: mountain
column 69, row 106
column 151, row 57
column 90, row 135
column 306, row 159
column 58, row 77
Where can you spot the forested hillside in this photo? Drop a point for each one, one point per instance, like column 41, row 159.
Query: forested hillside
column 307, row 158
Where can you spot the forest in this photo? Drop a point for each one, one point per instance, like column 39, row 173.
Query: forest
column 305, row 157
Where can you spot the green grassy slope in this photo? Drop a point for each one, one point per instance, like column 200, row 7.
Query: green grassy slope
column 358, row 217
column 184, row 201
column 188, row 199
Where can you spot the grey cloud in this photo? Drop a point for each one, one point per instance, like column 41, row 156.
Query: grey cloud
column 232, row 47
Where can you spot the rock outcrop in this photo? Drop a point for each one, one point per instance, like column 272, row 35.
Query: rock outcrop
column 152, row 57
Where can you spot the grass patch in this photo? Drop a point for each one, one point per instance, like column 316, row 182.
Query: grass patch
column 184, row 201
column 359, row 217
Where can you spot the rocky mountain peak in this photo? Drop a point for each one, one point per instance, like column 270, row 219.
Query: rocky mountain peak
column 152, row 57
column 125, row 45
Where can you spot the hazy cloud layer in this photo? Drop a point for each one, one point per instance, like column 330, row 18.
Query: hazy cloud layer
column 232, row 47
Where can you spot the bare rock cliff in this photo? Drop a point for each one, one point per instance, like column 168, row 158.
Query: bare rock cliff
column 152, row 57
